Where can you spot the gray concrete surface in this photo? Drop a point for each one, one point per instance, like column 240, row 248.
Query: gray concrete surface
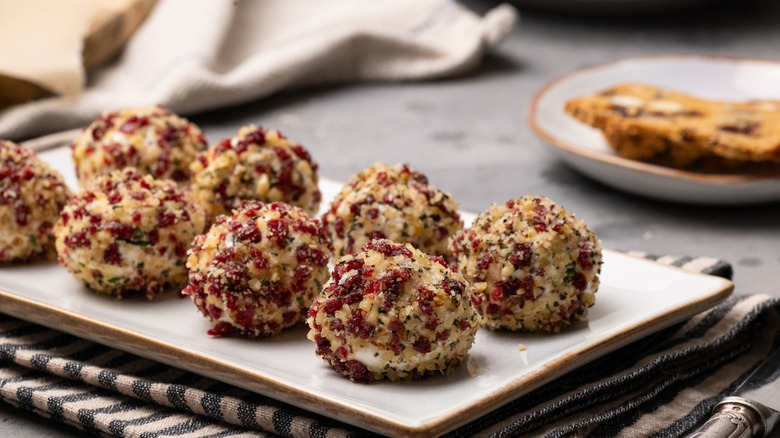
column 469, row 135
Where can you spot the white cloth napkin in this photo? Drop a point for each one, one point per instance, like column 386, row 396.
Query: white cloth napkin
column 196, row 55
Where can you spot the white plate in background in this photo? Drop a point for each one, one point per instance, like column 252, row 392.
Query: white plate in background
column 585, row 149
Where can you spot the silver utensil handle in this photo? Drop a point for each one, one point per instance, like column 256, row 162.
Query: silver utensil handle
column 732, row 419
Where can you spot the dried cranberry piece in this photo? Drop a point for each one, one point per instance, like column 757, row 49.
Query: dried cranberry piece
column 422, row 345
column 119, row 229
column 277, row 230
column 376, row 234
column 77, row 240
column 451, row 286
column 249, row 231
column 425, row 300
column 22, row 212
column 521, row 255
column 484, row 262
column 26, row 173
column 245, row 318
column 579, row 281
column 258, row 259
column 332, row 306
column 338, row 227
column 583, row 258
column 313, row 255
column 394, row 325
column 336, row 326
column 257, row 137
column 358, row 372
column 114, row 197
column 214, row 312
column 345, row 266
column 180, row 249
column 165, row 218
column 497, row 293
column 301, row 275
column 388, row 248
column 323, row 346
column 395, row 344
column 224, row 255
column 112, row 256
column 305, row 227
column 221, row 329
column 390, row 297
column 357, row 326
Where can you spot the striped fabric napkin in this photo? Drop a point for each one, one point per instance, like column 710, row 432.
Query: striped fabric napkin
column 663, row 385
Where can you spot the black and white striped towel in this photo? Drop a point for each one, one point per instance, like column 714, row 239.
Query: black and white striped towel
column 663, row 385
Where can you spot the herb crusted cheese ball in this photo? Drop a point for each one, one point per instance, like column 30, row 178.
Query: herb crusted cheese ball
column 257, row 271
column 31, row 197
column 533, row 265
column 392, row 202
column 128, row 232
column 392, row 312
column 260, row 165
column 153, row 140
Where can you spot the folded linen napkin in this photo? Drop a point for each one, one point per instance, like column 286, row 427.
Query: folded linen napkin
column 192, row 56
column 662, row 385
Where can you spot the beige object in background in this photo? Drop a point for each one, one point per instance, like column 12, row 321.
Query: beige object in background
column 46, row 46
column 197, row 55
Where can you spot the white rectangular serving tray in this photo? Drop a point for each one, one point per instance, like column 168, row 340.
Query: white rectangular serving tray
column 636, row 297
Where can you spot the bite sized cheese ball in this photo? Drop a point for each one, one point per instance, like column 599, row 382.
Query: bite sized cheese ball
column 31, row 197
column 392, row 202
column 153, row 140
column 257, row 271
column 533, row 265
column 260, row 165
column 392, row 312
column 128, row 232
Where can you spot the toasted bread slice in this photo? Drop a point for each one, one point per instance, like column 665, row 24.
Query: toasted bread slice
column 648, row 123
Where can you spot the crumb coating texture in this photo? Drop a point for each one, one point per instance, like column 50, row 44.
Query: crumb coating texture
column 31, row 197
column 392, row 312
column 257, row 271
column 128, row 232
column 532, row 264
column 392, row 202
column 258, row 164
column 153, row 140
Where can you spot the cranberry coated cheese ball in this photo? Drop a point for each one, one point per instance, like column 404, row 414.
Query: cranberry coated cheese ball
column 153, row 140
column 392, row 312
column 257, row 271
column 31, row 197
column 128, row 232
column 533, row 265
column 259, row 165
column 395, row 203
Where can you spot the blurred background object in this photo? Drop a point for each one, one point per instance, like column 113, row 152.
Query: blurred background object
column 192, row 56
column 47, row 46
